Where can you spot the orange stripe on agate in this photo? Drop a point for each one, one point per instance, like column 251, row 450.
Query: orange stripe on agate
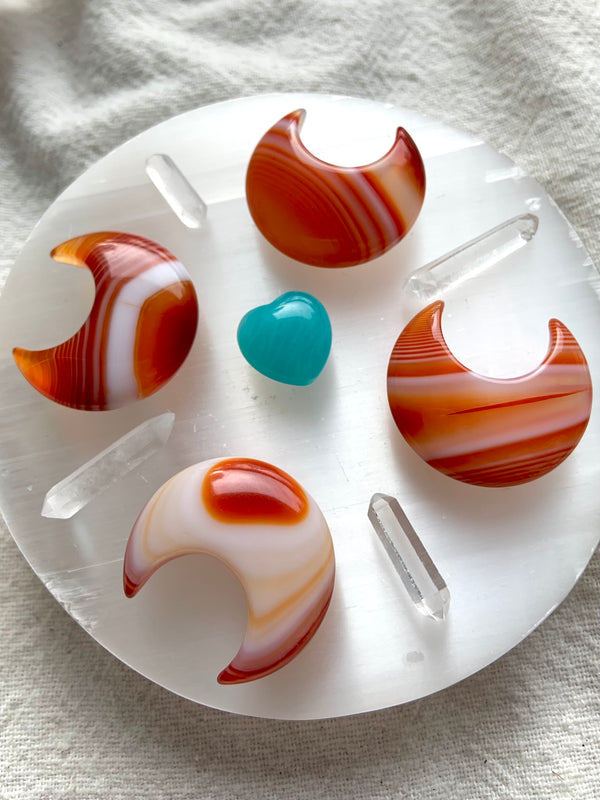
column 111, row 254
column 325, row 562
column 514, row 462
column 565, row 345
column 517, row 401
column 38, row 367
column 396, row 226
column 421, row 349
column 59, row 372
column 319, row 210
column 452, row 423
column 412, row 166
column 75, row 251
column 366, row 233
column 400, row 183
column 98, row 326
column 387, row 220
column 114, row 260
column 516, row 471
column 293, row 643
column 318, row 203
column 374, row 200
column 165, row 332
column 245, row 490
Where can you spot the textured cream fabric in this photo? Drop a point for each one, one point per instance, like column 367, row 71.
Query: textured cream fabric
column 79, row 78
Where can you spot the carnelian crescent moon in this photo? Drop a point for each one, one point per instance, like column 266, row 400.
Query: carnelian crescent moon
column 487, row 431
column 137, row 335
column 327, row 215
column 258, row 521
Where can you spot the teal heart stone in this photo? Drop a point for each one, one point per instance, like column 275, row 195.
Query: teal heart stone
column 287, row 340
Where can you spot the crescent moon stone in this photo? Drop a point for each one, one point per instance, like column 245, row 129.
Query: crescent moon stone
column 327, row 215
column 137, row 335
column 259, row 522
column 487, row 431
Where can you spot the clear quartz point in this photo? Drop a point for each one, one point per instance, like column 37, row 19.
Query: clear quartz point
column 472, row 258
column 75, row 491
column 424, row 584
column 181, row 197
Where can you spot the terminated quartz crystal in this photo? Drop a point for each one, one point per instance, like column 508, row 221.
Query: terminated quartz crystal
column 75, row 491
column 424, row 584
column 181, row 197
column 472, row 258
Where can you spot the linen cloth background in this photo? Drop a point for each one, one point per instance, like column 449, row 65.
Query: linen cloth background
column 79, row 78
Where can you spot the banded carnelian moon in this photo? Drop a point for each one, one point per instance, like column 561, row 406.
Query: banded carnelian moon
column 137, row 335
column 259, row 522
column 327, row 215
column 487, row 431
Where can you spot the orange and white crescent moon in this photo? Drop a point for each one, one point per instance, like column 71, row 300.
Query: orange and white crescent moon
column 137, row 335
column 487, row 431
column 258, row 521
column 327, row 215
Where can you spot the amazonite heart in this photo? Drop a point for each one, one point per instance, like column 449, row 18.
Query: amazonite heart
column 287, row 340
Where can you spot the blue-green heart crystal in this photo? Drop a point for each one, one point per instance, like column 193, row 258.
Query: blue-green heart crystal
column 287, row 340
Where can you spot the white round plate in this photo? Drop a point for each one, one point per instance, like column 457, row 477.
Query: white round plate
column 509, row 556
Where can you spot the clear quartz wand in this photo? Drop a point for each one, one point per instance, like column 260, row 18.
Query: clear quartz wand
column 472, row 258
column 424, row 584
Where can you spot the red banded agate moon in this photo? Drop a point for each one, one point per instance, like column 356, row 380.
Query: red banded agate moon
column 137, row 335
column 487, row 431
column 259, row 522
column 326, row 215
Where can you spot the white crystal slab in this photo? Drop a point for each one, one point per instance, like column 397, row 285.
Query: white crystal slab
column 509, row 556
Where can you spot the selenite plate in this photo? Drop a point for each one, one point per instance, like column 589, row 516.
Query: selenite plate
column 509, row 556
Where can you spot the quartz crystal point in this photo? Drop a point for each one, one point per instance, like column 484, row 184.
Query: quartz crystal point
column 75, row 491
column 179, row 194
column 424, row 584
column 472, row 258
